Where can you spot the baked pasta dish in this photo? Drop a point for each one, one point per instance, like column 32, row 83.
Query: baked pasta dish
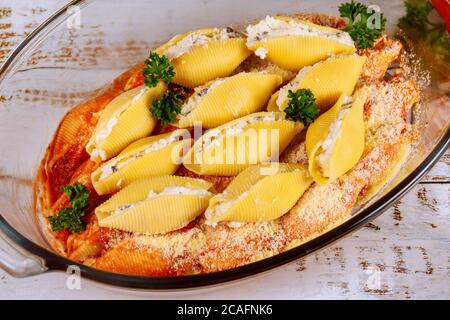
column 229, row 145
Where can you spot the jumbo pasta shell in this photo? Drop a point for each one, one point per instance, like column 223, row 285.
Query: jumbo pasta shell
column 155, row 205
column 292, row 43
column 335, row 141
column 260, row 193
column 327, row 79
column 232, row 147
column 125, row 119
column 206, row 61
column 228, row 99
column 155, row 155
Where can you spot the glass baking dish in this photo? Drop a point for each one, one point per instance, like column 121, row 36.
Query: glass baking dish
column 84, row 46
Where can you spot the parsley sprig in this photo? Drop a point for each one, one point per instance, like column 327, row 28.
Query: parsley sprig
column 70, row 218
column 416, row 16
column 168, row 107
column 302, row 106
column 362, row 24
column 157, row 67
column 427, row 34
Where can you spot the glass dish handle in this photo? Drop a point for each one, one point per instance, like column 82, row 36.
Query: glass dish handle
column 18, row 262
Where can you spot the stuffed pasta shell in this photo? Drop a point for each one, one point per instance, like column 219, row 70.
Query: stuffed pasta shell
column 335, row 141
column 124, row 120
column 204, row 55
column 154, row 155
column 292, row 43
column 260, row 193
column 155, row 205
column 223, row 100
column 232, row 147
column 327, row 79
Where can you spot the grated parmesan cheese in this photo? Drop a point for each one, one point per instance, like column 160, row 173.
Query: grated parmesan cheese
column 334, row 133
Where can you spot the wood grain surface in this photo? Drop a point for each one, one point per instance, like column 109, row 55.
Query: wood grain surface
column 405, row 253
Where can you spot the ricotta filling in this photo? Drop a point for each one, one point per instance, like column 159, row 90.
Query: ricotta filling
column 114, row 166
column 261, row 52
column 106, row 131
column 237, row 128
column 199, row 94
column 197, row 39
column 167, row 191
column 334, row 132
column 272, row 27
column 179, row 190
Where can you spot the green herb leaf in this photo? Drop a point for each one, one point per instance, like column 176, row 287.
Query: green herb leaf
column 167, row 108
column 302, row 106
column 157, row 67
column 416, row 16
column 70, row 218
column 361, row 25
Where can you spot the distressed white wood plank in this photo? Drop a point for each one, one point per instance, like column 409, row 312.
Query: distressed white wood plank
column 440, row 173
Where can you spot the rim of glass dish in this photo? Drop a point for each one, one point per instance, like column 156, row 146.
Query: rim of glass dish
column 54, row 261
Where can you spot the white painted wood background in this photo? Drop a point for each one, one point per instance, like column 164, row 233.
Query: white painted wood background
column 405, row 253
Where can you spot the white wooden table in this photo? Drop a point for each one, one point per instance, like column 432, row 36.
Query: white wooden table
column 405, row 253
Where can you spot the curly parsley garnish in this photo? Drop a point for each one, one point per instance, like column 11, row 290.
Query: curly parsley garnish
column 157, row 67
column 167, row 108
column 362, row 23
column 302, row 106
column 70, row 218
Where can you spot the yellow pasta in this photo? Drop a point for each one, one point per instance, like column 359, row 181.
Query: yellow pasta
column 204, row 55
column 335, row 141
column 232, row 147
column 260, row 193
column 292, row 43
column 155, row 155
column 226, row 99
column 155, row 205
column 327, row 79
column 125, row 119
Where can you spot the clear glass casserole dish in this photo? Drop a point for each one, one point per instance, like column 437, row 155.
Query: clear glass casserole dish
column 83, row 47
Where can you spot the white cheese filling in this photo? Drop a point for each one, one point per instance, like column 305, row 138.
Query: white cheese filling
column 334, row 133
column 261, row 52
column 167, row 191
column 112, row 167
column 98, row 153
column 178, row 190
column 221, row 209
column 104, row 132
column 272, row 27
column 196, row 39
column 199, row 94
